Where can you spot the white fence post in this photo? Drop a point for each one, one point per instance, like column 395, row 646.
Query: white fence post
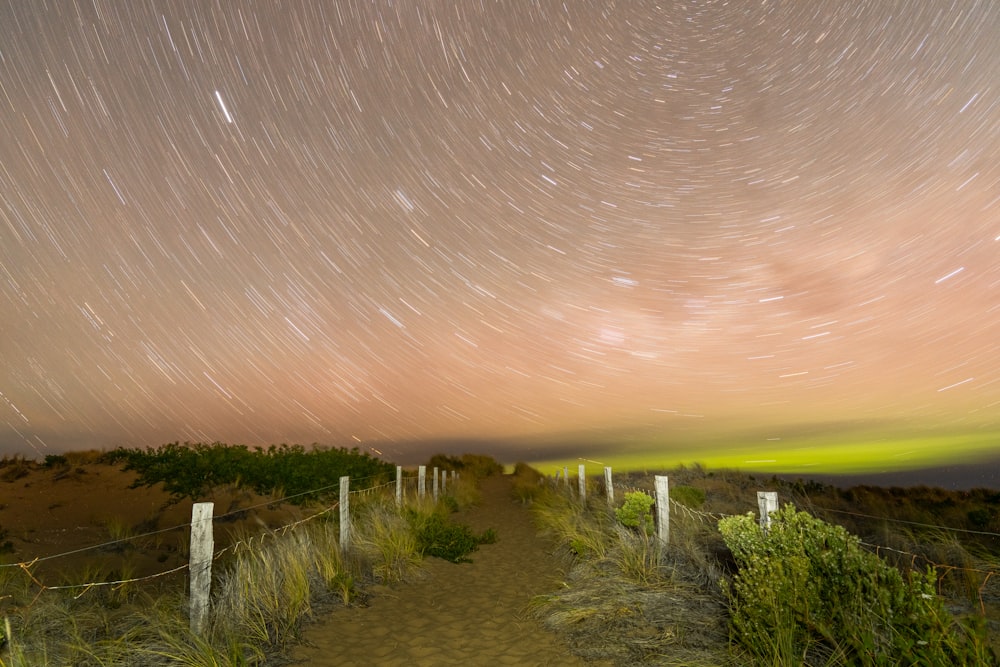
column 565, row 476
column 767, row 501
column 202, row 546
column 609, row 489
column 435, row 483
column 421, row 481
column 345, row 514
column 581, row 476
column 399, row 486
column 444, row 481
column 663, row 509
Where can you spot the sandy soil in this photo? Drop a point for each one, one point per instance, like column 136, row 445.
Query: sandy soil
column 48, row 512
column 464, row 614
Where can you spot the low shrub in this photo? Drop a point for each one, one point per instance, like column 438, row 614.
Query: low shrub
column 637, row 512
column 807, row 593
column 439, row 536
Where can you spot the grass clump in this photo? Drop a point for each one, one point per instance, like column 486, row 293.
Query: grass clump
column 386, row 541
column 626, row 598
column 807, row 593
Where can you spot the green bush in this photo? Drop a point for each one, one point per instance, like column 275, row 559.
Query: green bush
column 807, row 593
column 440, row 537
column 637, row 511
column 302, row 475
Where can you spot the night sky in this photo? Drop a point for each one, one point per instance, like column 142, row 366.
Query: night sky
column 373, row 223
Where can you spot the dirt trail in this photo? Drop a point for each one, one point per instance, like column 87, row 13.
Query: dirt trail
column 468, row 614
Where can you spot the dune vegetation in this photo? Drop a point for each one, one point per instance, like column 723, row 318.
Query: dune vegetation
column 859, row 576
column 912, row 584
column 267, row 584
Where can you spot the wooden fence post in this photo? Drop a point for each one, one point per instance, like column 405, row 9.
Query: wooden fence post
column 435, row 483
column 565, row 476
column 581, row 476
column 345, row 514
column 399, row 486
column 421, row 481
column 202, row 546
column 663, row 509
column 444, row 481
column 767, row 502
column 608, row 487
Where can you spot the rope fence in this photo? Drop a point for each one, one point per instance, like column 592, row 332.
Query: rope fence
column 662, row 498
column 410, row 483
column 401, row 484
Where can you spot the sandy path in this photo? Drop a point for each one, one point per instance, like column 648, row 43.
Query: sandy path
column 468, row 614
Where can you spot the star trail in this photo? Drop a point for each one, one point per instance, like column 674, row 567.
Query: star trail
column 384, row 222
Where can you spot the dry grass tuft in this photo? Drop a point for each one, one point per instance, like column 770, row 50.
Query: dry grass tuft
column 628, row 599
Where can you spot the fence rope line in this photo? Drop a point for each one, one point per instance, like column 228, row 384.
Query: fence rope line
column 237, row 547
column 945, row 567
column 941, row 569
column 276, row 501
column 39, row 559
column 245, row 545
column 717, row 516
column 281, row 531
column 698, row 514
column 242, row 510
column 911, row 523
column 94, row 584
column 878, row 549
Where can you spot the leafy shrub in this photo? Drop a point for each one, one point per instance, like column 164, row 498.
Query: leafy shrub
column 438, row 536
column 806, row 588
column 301, row 475
column 637, row 511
